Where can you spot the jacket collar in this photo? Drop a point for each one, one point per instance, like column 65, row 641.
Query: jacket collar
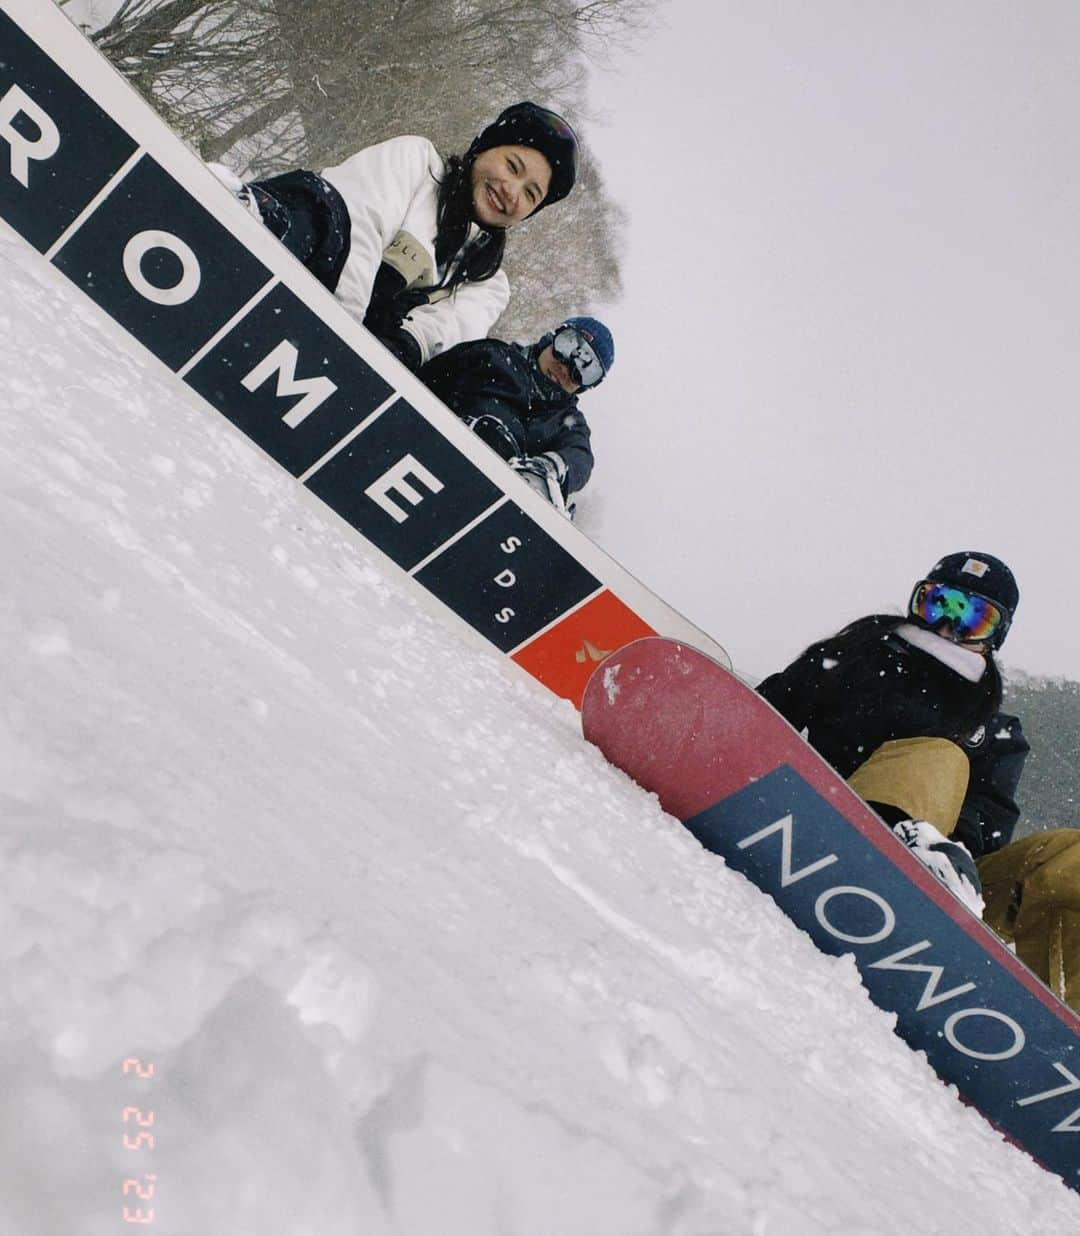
column 965, row 661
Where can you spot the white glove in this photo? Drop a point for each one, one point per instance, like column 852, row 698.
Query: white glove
column 544, row 474
column 948, row 860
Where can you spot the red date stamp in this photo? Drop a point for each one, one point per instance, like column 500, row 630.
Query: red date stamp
column 138, row 1135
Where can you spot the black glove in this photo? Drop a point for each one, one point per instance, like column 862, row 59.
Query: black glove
column 386, row 309
column 494, row 432
column 385, row 312
column 403, row 346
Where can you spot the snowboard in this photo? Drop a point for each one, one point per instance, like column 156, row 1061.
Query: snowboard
column 752, row 790
column 96, row 182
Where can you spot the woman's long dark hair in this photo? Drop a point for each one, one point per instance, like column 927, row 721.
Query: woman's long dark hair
column 452, row 223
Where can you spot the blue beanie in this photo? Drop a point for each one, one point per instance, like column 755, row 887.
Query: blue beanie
column 598, row 336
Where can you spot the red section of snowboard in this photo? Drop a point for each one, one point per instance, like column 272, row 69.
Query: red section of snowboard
column 671, row 717
column 566, row 654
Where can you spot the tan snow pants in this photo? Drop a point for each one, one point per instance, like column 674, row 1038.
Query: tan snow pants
column 1031, row 886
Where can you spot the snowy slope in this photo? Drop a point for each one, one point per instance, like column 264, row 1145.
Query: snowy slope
column 406, row 956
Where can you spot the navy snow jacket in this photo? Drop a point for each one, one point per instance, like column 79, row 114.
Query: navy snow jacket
column 997, row 753
column 487, row 377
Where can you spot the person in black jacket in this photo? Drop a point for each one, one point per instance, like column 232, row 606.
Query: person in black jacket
column 522, row 400
column 908, row 709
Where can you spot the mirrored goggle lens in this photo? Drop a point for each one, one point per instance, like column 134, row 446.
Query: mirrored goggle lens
column 973, row 618
column 575, row 351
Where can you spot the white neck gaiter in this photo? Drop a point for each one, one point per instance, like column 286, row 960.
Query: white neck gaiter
column 966, row 662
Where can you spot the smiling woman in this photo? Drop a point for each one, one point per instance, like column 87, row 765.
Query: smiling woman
column 413, row 243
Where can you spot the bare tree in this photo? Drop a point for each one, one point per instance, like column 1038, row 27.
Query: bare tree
column 369, row 69
column 211, row 67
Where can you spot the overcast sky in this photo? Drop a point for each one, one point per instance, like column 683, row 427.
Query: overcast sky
column 848, row 341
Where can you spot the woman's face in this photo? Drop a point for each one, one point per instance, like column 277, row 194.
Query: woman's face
column 508, row 183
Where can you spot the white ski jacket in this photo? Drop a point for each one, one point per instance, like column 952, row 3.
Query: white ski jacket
column 392, row 191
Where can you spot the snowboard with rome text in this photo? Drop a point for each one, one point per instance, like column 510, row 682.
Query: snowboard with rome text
column 94, row 180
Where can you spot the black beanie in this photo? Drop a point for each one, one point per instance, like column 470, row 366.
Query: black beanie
column 528, row 124
column 981, row 573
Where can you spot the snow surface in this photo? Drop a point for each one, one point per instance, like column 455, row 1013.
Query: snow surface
column 405, row 955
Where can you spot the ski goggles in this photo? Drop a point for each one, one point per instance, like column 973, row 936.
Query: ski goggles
column 973, row 618
column 576, row 353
